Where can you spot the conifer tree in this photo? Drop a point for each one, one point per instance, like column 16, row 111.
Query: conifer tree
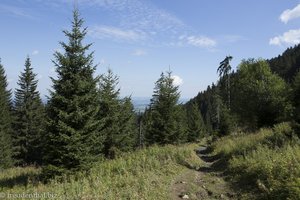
column 128, row 126
column 29, row 118
column 116, row 115
column 224, row 71
column 162, row 128
column 5, row 122
column 196, row 127
column 145, row 137
column 181, row 133
column 73, row 126
column 227, row 122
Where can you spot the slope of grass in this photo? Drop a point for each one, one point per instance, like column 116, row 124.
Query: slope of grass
column 266, row 163
column 240, row 144
column 144, row 174
column 275, row 173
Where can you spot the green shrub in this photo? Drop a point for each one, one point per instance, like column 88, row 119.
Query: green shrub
column 283, row 133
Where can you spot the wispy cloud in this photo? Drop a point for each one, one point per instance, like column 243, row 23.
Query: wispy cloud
column 136, row 20
column 197, row 41
column 35, row 52
column 139, row 52
column 177, row 81
column 290, row 14
column 15, row 11
column 104, row 32
column 201, row 41
column 137, row 13
column 290, row 37
column 143, row 22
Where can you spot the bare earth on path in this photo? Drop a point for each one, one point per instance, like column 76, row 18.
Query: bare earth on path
column 204, row 183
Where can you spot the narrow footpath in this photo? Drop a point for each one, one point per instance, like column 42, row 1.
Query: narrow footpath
column 204, row 183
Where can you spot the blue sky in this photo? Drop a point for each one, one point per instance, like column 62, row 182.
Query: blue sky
column 138, row 39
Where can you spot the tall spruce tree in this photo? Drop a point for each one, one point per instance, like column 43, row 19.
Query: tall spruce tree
column 116, row 115
column 5, row 122
column 73, row 126
column 128, row 126
column 196, row 127
column 181, row 125
column 29, row 118
column 162, row 128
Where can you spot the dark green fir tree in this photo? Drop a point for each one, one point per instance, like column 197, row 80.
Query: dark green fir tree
column 162, row 127
column 5, row 122
column 128, row 125
column 29, row 119
column 73, row 127
column 117, row 117
column 196, row 127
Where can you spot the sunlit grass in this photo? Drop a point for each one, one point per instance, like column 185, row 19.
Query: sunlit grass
column 266, row 163
column 144, row 174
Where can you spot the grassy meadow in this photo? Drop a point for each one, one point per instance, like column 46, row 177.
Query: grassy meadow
column 144, row 174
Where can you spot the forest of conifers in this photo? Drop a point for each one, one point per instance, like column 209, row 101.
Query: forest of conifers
column 85, row 120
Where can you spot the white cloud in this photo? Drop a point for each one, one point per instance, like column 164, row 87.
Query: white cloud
column 290, row 37
column 137, row 13
column 141, row 21
column 135, row 20
column 177, row 81
column 290, row 14
column 201, row 41
column 109, row 32
column 198, row 41
column 139, row 52
column 35, row 52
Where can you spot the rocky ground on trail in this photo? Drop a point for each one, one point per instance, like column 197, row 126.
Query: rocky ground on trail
column 208, row 182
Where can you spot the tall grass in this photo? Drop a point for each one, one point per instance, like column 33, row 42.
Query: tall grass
column 240, row 144
column 267, row 162
column 145, row 174
column 274, row 172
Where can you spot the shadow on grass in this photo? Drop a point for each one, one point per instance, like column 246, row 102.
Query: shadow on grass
column 20, row 180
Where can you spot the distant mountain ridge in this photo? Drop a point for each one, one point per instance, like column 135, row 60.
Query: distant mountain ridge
column 140, row 103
